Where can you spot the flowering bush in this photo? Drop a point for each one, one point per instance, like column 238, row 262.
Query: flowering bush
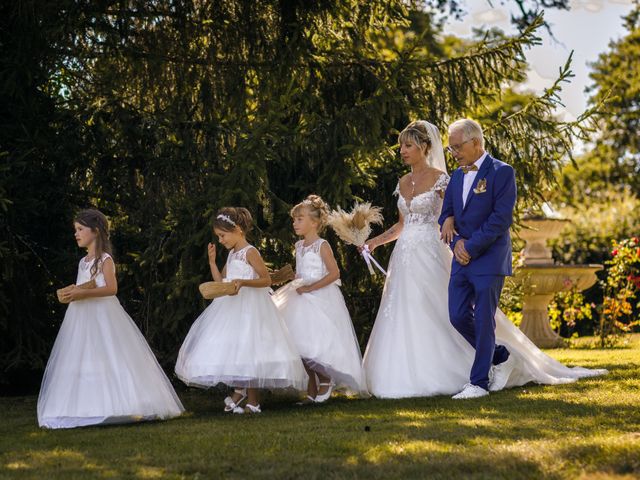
column 569, row 307
column 618, row 314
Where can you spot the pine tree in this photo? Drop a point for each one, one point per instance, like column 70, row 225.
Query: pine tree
column 616, row 77
column 165, row 111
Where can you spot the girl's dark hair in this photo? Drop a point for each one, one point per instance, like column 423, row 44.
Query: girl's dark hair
column 98, row 223
column 228, row 218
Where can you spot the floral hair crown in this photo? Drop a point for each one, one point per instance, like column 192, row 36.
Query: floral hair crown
column 226, row 218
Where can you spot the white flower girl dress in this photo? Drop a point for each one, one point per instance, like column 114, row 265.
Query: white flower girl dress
column 320, row 324
column 241, row 340
column 101, row 369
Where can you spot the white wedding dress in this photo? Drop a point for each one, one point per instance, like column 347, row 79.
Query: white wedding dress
column 413, row 350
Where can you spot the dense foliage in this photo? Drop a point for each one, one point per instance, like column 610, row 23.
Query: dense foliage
column 600, row 192
column 160, row 112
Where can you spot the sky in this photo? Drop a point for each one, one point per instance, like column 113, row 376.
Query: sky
column 587, row 29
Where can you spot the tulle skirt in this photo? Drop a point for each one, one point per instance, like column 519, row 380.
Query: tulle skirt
column 321, row 328
column 102, row 371
column 241, row 341
column 414, row 351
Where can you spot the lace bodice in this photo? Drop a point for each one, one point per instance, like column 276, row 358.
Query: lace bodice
column 84, row 271
column 424, row 208
column 421, row 230
column 309, row 264
column 238, row 267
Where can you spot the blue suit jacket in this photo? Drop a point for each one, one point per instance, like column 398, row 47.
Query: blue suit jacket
column 485, row 220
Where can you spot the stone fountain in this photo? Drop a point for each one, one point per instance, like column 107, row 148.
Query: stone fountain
column 541, row 278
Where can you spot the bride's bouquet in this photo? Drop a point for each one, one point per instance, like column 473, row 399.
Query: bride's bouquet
column 354, row 227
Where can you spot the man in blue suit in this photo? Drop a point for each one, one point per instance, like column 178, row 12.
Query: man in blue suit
column 477, row 213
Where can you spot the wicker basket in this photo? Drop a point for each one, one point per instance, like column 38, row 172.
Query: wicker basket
column 282, row 275
column 211, row 290
column 61, row 291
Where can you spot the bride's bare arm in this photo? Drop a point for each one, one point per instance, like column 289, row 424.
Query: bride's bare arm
column 387, row 236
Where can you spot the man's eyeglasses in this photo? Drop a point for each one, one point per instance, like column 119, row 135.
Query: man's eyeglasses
column 456, row 148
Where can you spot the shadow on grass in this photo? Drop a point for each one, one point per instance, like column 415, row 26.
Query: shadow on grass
column 527, row 432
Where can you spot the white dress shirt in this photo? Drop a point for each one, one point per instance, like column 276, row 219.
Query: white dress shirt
column 469, row 177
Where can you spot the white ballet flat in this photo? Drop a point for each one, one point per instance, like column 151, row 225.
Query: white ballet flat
column 325, row 396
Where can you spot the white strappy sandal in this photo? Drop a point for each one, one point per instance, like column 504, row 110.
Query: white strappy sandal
column 308, row 400
column 251, row 409
column 325, row 396
column 230, row 405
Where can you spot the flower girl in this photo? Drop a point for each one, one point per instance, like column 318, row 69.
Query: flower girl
column 240, row 340
column 315, row 312
column 101, row 369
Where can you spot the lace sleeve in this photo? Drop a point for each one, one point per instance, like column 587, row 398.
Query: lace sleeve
column 442, row 182
column 241, row 254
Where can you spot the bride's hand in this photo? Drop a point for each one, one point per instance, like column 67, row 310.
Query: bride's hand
column 448, row 230
column 370, row 244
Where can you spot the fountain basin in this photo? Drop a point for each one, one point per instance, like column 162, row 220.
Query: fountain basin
column 540, row 283
column 538, row 231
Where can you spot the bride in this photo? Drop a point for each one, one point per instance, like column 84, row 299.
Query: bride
column 413, row 350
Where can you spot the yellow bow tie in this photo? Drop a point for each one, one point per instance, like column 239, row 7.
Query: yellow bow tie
column 470, row 168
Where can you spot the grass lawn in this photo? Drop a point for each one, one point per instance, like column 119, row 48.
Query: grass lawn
column 589, row 429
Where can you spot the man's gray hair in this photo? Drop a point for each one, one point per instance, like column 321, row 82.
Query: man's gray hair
column 470, row 129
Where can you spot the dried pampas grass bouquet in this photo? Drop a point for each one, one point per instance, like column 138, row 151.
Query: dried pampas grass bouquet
column 354, row 227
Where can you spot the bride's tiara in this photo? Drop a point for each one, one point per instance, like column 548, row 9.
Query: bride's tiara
column 226, row 218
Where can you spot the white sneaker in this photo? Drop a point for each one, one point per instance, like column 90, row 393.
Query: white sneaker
column 501, row 374
column 471, row 391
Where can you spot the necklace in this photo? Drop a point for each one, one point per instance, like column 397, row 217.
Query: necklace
column 413, row 182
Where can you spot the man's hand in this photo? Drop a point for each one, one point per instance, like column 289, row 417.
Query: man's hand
column 461, row 254
column 448, row 230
